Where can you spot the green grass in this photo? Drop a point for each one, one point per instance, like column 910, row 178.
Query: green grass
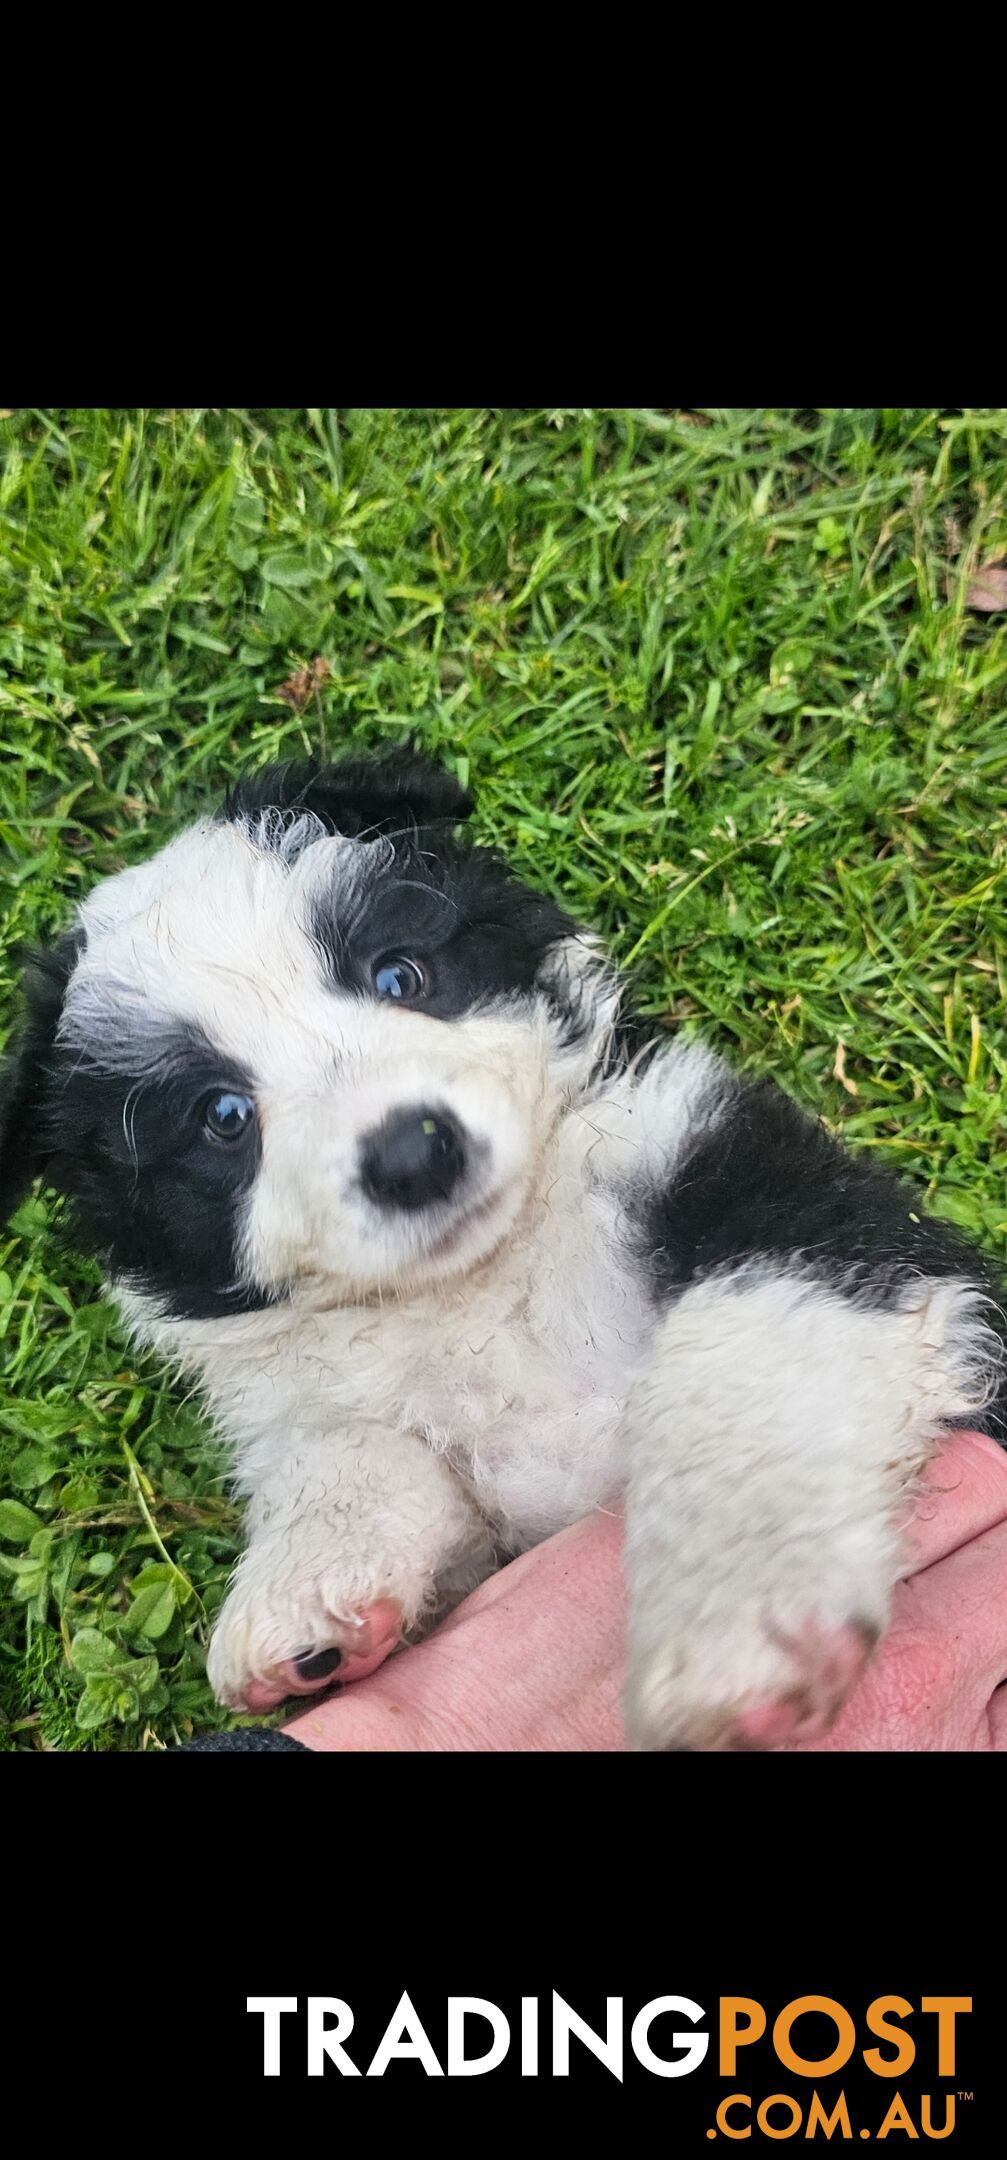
column 716, row 685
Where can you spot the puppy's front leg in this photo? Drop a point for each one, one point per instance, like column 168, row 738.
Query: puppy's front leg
column 774, row 1439
column 352, row 1540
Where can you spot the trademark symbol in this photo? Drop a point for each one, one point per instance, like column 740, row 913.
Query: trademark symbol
column 964, row 2096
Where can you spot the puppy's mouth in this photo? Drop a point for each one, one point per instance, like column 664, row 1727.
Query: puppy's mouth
column 431, row 1254
column 441, row 1246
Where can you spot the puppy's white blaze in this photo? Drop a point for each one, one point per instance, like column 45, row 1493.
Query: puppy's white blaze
column 309, row 1214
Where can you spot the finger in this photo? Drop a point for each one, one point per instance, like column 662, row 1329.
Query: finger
column 998, row 1721
column 962, row 1601
column 532, row 1661
column 965, row 1493
column 573, row 1575
column 930, row 1683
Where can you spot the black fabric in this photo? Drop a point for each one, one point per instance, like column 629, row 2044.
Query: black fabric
column 245, row 1740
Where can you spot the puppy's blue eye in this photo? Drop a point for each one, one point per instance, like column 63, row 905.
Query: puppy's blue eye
column 398, row 979
column 228, row 1116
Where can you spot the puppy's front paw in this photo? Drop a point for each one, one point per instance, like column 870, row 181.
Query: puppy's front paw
column 757, row 1678
column 266, row 1648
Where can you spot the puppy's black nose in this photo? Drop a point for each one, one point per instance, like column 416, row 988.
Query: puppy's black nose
column 413, row 1159
column 318, row 1664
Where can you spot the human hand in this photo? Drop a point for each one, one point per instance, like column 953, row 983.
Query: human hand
column 533, row 1660
column 933, row 1684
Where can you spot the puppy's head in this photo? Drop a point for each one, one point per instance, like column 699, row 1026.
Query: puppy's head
column 313, row 1048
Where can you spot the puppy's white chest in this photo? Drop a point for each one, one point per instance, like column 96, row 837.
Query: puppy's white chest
column 516, row 1375
column 520, row 1384
column 534, row 1433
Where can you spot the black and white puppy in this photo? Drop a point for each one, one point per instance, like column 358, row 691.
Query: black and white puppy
column 456, row 1256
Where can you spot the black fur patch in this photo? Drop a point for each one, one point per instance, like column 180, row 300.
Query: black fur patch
column 359, row 796
column 633, row 1043
column 150, row 1195
column 478, row 933
column 475, row 931
column 26, row 1072
column 764, row 1181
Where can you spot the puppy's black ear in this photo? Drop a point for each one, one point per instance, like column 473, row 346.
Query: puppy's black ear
column 26, row 1070
column 362, row 797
